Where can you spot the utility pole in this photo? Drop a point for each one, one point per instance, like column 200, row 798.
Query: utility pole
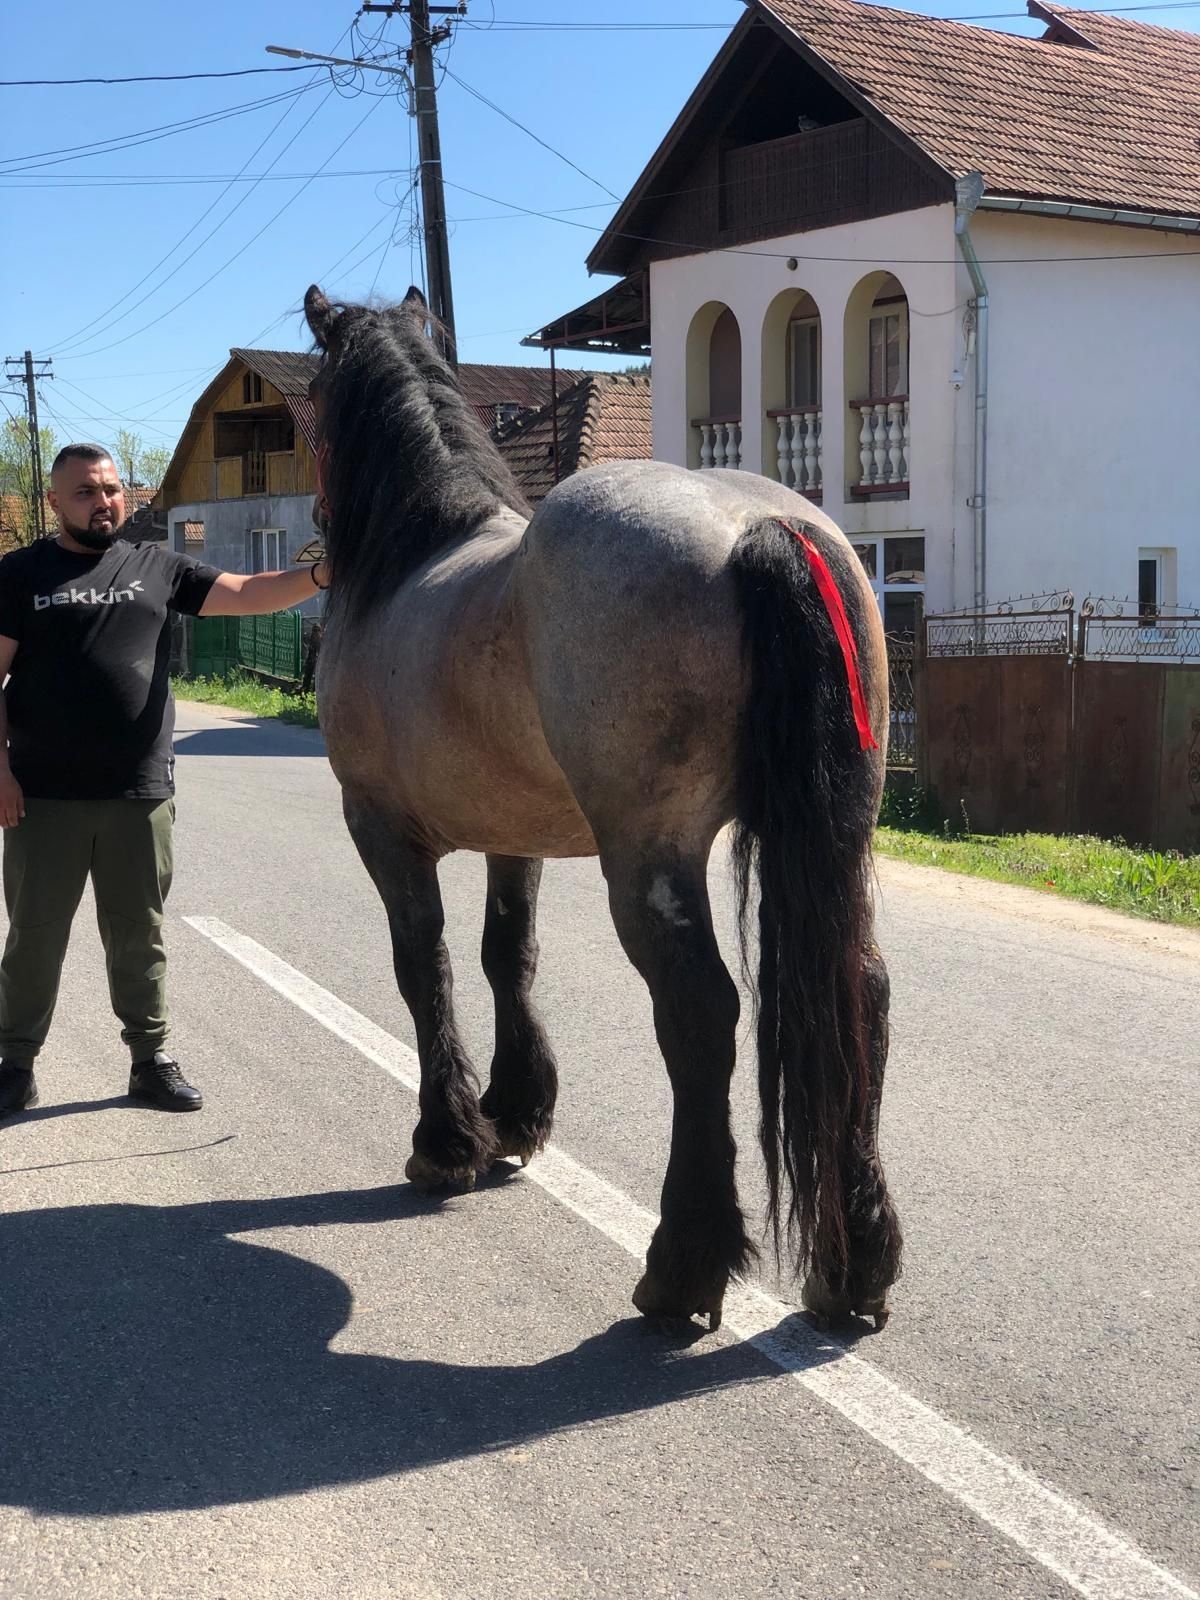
column 433, row 196
column 25, row 369
column 429, row 146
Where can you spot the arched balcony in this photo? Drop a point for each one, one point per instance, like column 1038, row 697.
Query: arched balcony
column 714, row 387
column 879, row 444
column 792, row 446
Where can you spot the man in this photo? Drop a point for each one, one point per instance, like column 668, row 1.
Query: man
column 86, row 762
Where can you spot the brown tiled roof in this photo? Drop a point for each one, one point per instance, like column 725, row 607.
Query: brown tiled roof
column 605, row 417
column 193, row 533
column 1100, row 110
column 484, row 385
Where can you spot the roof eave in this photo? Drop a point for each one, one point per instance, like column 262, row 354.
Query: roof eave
column 613, row 232
column 1120, row 216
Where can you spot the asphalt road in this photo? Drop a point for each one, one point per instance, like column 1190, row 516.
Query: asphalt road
column 241, row 1358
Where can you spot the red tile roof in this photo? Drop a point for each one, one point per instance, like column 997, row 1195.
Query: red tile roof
column 606, row 417
column 1100, row 110
column 484, row 385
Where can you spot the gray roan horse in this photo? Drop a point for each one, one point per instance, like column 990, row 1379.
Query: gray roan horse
column 652, row 655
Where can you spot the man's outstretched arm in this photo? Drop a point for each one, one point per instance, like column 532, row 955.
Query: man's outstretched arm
column 236, row 594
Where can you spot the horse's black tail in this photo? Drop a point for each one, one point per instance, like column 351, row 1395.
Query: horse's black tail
column 807, row 800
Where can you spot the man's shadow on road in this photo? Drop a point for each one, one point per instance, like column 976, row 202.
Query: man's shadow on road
column 152, row 1362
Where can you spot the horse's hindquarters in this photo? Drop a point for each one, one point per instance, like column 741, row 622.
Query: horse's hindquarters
column 631, row 623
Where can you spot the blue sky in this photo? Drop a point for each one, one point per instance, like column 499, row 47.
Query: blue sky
column 80, row 233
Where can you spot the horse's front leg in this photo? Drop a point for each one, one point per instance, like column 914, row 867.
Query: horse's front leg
column 660, row 906
column 524, row 1083
column 453, row 1140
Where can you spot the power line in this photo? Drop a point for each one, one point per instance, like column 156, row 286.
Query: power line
column 83, row 335
column 165, row 130
column 159, row 77
column 270, row 222
column 798, row 255
column 507, row 25
column 150, row 180
column 492, row 106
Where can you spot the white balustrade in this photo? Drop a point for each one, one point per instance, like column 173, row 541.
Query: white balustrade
column 799, row 449
column 884, row 443
column 720, row 443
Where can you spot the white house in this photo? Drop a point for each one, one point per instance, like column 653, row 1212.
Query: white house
column 944, row 280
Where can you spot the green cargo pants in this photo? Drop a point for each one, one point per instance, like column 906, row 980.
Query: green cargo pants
column 126, row 847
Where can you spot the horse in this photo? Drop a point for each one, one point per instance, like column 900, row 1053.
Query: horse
column 651, row 657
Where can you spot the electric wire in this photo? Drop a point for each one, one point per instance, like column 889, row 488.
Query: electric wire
column 106, row 321
column 238, row 254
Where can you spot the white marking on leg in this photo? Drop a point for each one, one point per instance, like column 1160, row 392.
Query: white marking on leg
column 1094, row 1559
column 663, row 900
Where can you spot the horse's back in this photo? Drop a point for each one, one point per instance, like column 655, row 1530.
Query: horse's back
column 634, row 636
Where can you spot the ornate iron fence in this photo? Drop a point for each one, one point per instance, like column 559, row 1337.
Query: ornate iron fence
column 1123, row 630
column 1033, row 625
column 902, row 701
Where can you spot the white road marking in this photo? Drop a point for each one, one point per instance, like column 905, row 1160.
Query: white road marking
column 1094, row 1559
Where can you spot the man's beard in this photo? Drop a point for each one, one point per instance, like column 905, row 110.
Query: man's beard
column 92, row 538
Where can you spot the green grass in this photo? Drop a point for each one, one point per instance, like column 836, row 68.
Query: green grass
column 1164, row 887
column 247, row 693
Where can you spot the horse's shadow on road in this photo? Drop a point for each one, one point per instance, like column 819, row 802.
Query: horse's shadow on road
column 152, row 1362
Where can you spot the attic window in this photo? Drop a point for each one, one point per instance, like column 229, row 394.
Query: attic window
column 252, row 389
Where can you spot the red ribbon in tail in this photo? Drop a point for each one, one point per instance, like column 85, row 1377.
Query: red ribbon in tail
column 836, row 608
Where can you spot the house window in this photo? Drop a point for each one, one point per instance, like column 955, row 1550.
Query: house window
column 1149, row 588
column 266, row 549
column 804, row 362
column 888, row 336
column 252, row 389
column 896, row 568
column 1157, row 579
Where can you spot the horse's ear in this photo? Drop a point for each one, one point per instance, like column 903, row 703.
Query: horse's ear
column 320, row 315
column 414, row 297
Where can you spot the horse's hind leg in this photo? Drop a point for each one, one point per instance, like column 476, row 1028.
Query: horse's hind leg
column 659, row 902
column 524, row 1082
column 872, row 1228
column 452, row 1140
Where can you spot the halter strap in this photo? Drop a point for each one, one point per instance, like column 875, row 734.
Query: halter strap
column 835, row 606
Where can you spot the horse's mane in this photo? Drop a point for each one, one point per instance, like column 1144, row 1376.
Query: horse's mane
column 409, row 467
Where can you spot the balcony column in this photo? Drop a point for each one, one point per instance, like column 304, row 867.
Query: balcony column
column 757, row 439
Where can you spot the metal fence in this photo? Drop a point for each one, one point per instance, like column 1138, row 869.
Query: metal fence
column 1035, row 718
column 902, row 701
column 211, row 647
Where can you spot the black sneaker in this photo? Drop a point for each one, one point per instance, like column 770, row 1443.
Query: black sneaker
column 161, row 1083
column 18, row 1088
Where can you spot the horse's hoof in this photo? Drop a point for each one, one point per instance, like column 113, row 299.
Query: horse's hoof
column 654, row 1299
column 426, row 1176
column 827, row 1306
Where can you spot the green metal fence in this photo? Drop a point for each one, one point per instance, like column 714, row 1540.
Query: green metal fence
column 272, row 646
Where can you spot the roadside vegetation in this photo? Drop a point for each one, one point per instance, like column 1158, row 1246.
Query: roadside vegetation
column 244, row 692
column 1164, row 887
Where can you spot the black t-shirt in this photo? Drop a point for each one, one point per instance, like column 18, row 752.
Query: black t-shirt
column 90, row 710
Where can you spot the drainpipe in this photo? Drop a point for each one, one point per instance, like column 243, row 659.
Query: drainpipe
column 968, row 192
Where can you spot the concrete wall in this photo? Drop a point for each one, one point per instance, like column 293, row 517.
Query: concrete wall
column 227, row 522
column 1094, row 424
